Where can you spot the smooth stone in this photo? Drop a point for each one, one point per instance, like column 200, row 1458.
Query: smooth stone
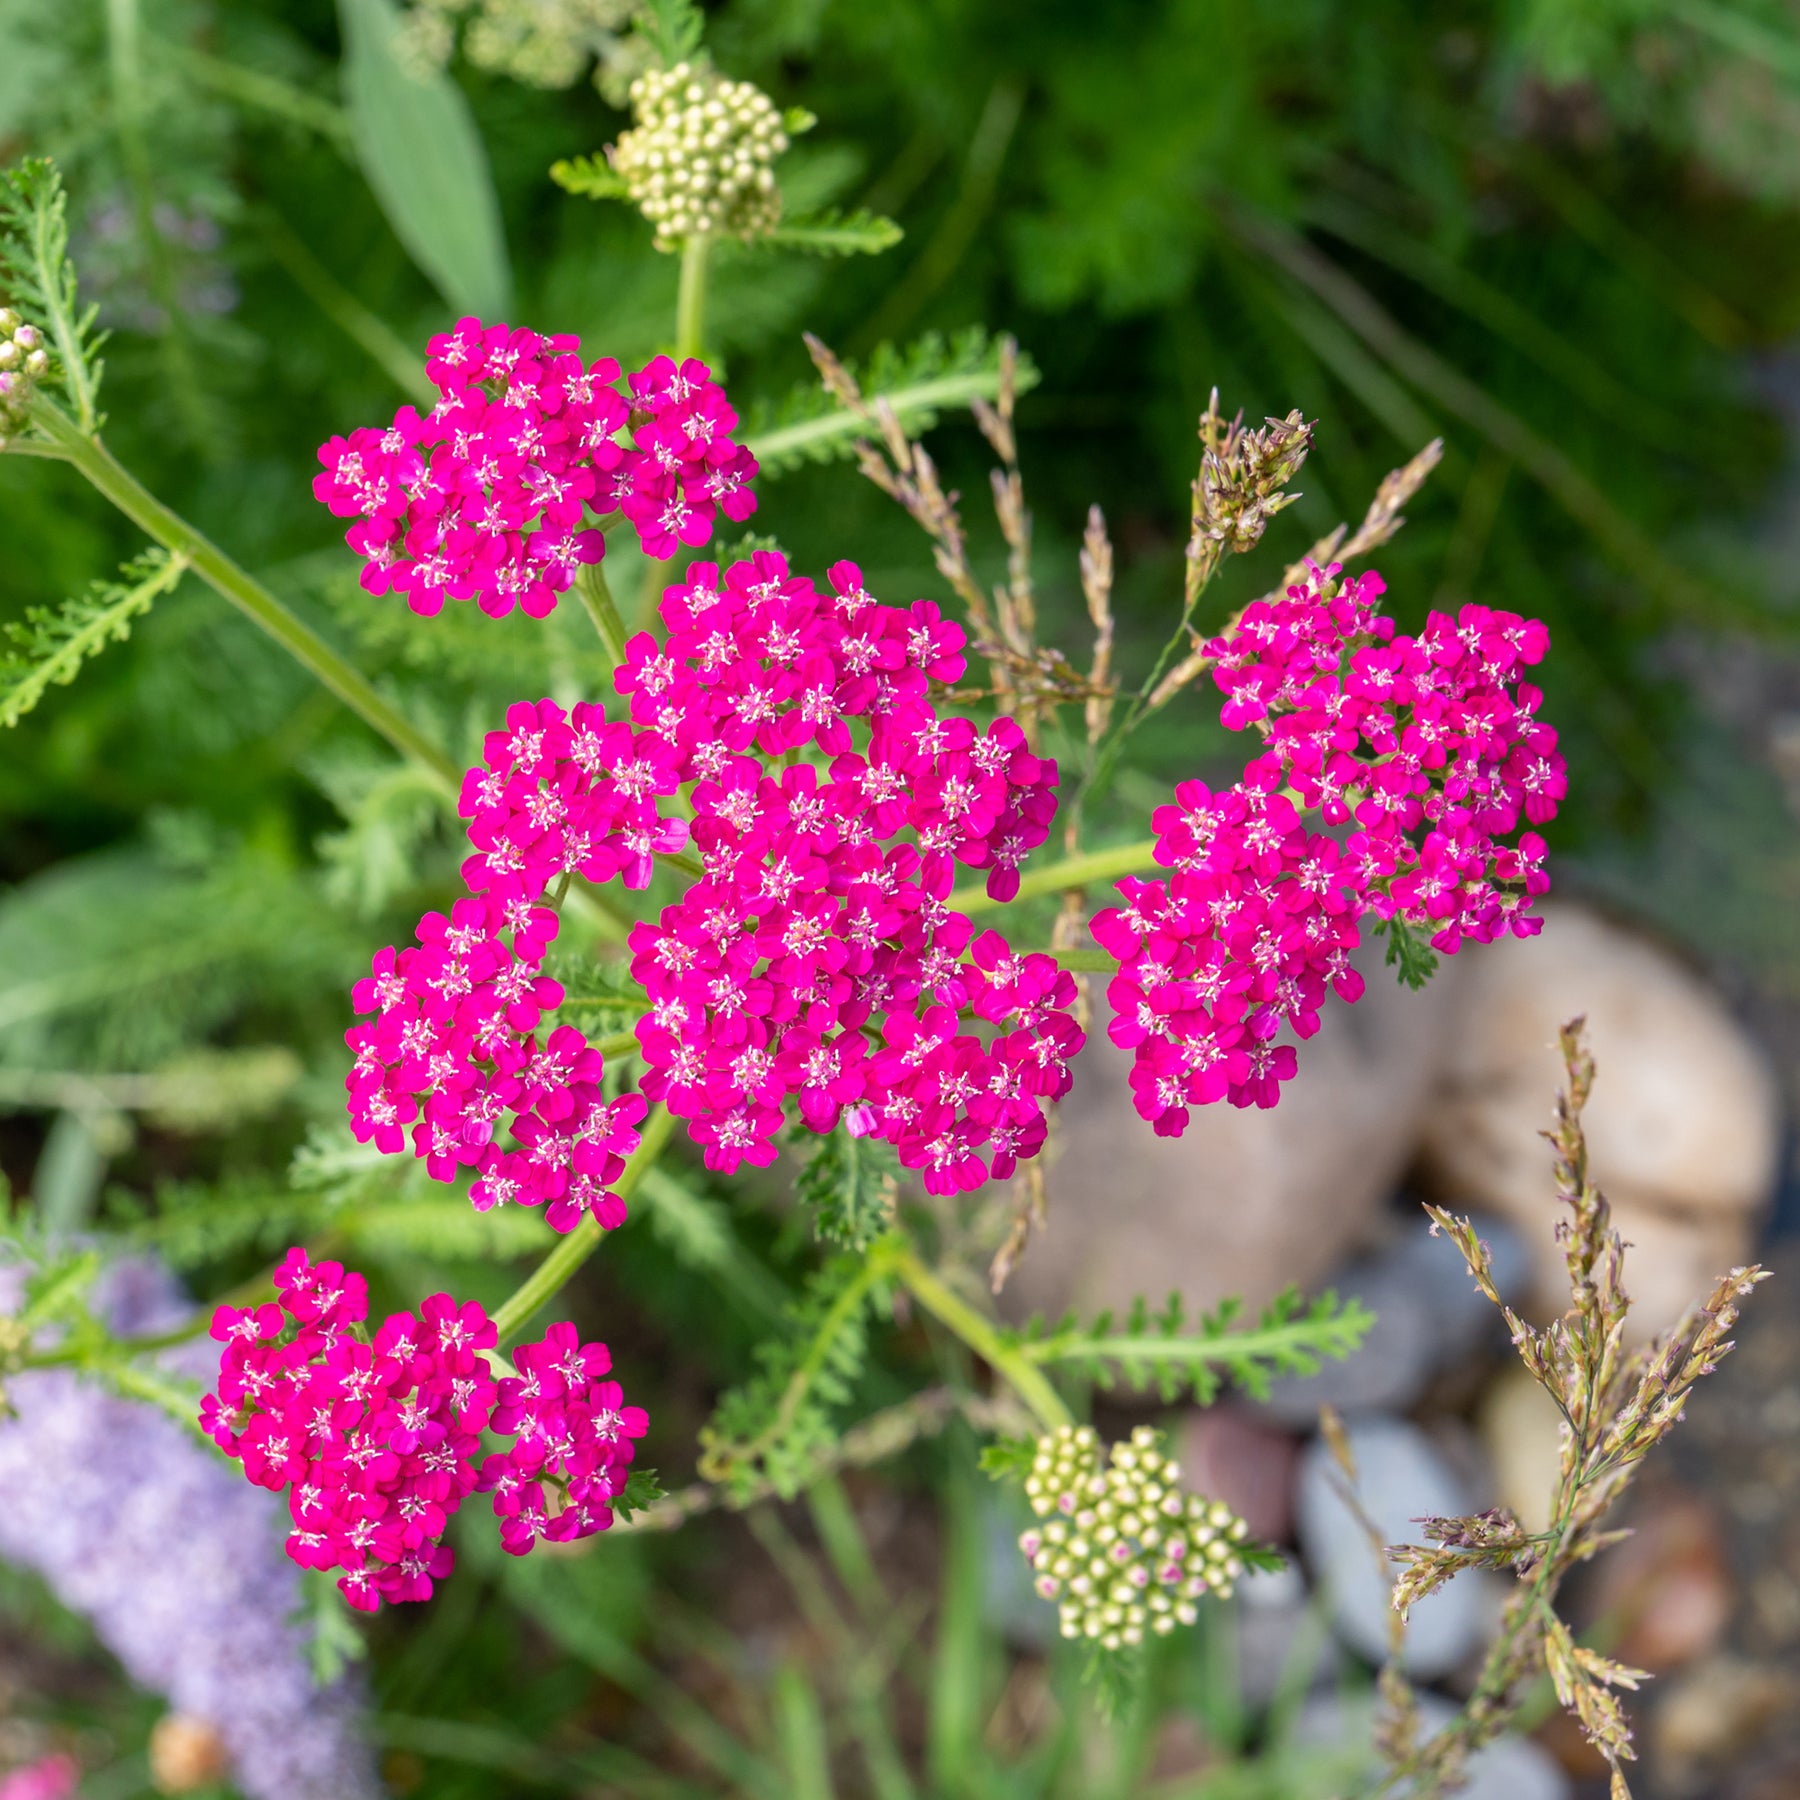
column 1231, row 1455
column 1280, row 1644
column 1246, row 1201
column 1685, row 1118
column 1715, row 1712
column 1667, row 1591
column 1401, row 1478
column 1429, row 1316
column 1510, row 1768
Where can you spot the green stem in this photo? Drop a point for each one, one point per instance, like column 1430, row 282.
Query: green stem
column 1072, row 872
column 957, row 1315
column 550, row 1276
column 249, row 596
column 1085, row 962
column 597, row 597
column 378, row 339
column 690, row 297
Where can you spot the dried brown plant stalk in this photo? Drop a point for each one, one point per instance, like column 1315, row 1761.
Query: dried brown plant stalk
column 1027, row 678
column 1616, row 1407
column 1383, row 519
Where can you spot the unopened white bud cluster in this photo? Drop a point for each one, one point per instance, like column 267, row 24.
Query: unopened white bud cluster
column 1124, row 1549
column 700, row 159
column 24, row 362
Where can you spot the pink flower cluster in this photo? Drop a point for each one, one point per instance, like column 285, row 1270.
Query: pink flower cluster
column 377, row 1439
column 487, row 496
column 453, row 1051
column 572, row 1430
column 816, row 958
column 1425, row 753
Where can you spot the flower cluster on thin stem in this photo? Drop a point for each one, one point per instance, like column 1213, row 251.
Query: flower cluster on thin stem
column 816, row 960
column 700, row 161
column 1123, row 1549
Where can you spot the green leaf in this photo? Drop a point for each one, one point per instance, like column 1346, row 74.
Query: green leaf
column 592, row 177
column 1408, row 950
column 671, row 30
column 834, row 233
column 778, row 1424
column 50, row 645
column 40, row 280
column 1115, row 1678
column 641, row 1490
column 918, row 382
column 423, row 157
column 849, row 1183
column 333, row 1640
column 1160, row 1352
column 1008, row 1458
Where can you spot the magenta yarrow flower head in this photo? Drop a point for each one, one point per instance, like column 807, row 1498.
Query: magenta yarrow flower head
column 377, row 1438
column 816, row 961
column 492, row 495
column 1425, row 756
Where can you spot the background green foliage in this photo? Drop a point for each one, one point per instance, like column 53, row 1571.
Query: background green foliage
column 1561, row 235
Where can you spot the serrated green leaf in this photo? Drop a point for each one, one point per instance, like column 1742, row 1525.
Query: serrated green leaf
column 39, row 280
column 418, row 146
column 671, row 30
column 592, row 177
column 642, row 1489
column 1160, row 1352
column 49, row 646
column 849, row 1183
column 775, row 1427
column 834, row 233
column 1408, row 951
column 1008, row 1458
column 920, row 382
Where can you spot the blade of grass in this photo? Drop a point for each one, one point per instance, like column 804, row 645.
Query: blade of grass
column 1678, row 591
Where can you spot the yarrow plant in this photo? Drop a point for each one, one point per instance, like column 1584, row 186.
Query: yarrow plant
column 768, row 837
column 1122, row 1549
column 1424, row 753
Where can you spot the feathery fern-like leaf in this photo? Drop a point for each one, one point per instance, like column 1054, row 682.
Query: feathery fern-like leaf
column 592, row 177
column 849, row 1183
column 1164, row 1352
column 918, row 382
column 49, row 646
column 835, row 233
column 39, row 280
column 776, row 1427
